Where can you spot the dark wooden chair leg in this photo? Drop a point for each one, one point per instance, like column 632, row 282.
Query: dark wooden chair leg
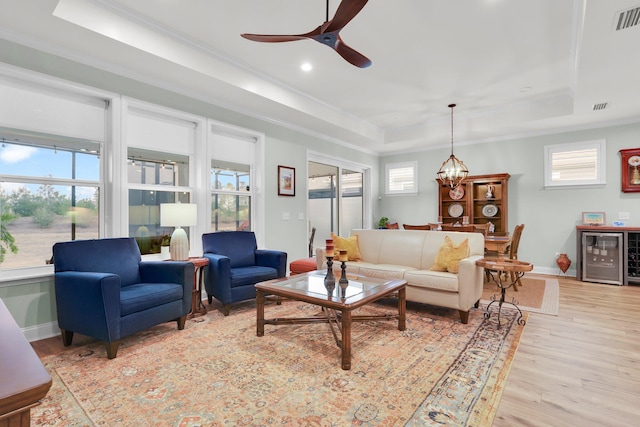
column 464, row 316
column 226, row 309
column 112, row 349
column 67, row 337
column 181, row 321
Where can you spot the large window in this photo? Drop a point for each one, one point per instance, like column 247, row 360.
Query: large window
column 49, row 192
column 230, row 196
column 154, row 178
column 575, row 164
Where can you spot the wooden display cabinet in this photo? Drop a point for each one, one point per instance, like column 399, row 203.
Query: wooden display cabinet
column 473, row 201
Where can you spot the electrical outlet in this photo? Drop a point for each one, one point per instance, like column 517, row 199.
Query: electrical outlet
column 557, row 254
column 624, row 215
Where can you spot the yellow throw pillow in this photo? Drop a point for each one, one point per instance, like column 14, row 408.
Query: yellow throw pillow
column 449, row 256
column 350, row 244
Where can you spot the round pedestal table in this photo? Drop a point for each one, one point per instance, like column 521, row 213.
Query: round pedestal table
column 513, row 270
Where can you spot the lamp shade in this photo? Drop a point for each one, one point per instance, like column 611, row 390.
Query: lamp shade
column 178, row 214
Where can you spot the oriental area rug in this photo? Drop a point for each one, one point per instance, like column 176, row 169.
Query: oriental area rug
column 217, row 372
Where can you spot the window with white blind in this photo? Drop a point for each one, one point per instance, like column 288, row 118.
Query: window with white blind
column 401, row 178
column 575, row 164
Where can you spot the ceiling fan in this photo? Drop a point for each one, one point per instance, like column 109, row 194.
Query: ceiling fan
column 327, row 33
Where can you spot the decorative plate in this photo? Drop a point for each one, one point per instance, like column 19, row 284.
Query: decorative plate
column 457, row 193
column 455, row 210
column 489, row 210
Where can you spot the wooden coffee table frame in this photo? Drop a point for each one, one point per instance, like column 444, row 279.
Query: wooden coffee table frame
column 336, row 311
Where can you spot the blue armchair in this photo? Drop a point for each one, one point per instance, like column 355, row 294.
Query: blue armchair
column 104, row 290
column 236, row 265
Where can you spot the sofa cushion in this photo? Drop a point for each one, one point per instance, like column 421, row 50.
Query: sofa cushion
column 350, row 244
column 392, row 247
column 242, row 276
column 449, row 256
column 379, row 271
column 142, row 296
column 441, row 281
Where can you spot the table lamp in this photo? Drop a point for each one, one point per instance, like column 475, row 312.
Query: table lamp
column 178, row 215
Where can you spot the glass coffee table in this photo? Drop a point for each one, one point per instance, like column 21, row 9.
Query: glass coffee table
column 337, row 311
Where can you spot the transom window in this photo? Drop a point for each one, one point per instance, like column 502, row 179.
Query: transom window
column 575, row 164
column 401, row 178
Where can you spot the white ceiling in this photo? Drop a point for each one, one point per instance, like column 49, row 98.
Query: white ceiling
column 513, row 67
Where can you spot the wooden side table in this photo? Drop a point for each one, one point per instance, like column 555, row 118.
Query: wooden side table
column 514, row 270
column 197, row 308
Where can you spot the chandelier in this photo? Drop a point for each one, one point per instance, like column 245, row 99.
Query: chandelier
column 453, row 171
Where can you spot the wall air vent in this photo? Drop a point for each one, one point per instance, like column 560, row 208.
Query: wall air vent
column 628, row 18
column 600, row 106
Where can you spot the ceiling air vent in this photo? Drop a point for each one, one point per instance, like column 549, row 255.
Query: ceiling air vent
column 600, row 106
column 628, row 18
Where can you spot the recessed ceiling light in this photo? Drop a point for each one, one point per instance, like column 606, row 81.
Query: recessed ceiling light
column 306, row 66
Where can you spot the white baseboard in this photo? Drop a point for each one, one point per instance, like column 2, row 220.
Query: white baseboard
column 42, row 331
column 553, row 271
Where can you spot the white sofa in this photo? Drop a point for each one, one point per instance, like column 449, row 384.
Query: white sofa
column 409, row 255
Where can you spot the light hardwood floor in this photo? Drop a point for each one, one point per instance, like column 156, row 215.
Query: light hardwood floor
column 580, row 368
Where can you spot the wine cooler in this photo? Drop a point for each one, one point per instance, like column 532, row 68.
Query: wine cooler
column 602, row 258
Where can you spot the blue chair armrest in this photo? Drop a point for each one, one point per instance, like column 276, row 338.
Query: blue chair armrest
column 98, row 294
column 218, row 277
column 180, row 272
column 274, row 259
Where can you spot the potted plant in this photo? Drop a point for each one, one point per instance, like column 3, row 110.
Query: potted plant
column 382, row 223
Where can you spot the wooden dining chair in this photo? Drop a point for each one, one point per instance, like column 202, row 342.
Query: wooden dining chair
column 416, row 227
column 482, row 228
column 466, row 228
column 513, row 250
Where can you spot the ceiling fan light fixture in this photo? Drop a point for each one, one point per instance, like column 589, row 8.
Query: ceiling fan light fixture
column 327, row 33
column 453, row 170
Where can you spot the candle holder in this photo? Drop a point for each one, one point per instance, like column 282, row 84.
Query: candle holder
column 329, row 279
column 343, row 282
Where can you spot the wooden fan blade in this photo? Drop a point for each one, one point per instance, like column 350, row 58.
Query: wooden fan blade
column 347, row 10
column 352, row 56
column 272, row 38
column 275, row 38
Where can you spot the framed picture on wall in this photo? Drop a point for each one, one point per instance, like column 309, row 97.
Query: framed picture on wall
column 286, row 181
column 630, row 161
column 593, row 218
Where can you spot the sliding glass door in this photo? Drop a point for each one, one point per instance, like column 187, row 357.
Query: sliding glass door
column 335, row 199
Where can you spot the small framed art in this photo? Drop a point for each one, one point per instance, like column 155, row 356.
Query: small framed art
column 630, row 159
column 286, row 181
column 593, row 218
